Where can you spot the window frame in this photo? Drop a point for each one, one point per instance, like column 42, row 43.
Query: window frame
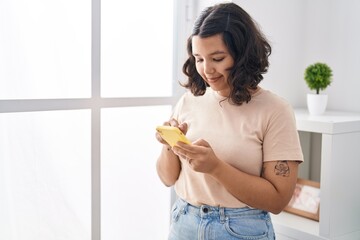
column 183, row 18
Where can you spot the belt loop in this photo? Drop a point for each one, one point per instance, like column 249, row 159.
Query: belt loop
column 222, row 215
column 184, row 206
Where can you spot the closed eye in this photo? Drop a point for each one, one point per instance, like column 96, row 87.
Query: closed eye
column 218, row 59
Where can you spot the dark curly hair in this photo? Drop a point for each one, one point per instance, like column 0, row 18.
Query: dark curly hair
column 245, row 42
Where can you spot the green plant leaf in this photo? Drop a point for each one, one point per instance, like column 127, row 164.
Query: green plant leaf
column 318, row 76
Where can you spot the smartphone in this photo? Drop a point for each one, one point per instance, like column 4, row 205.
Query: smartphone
column 172, row 135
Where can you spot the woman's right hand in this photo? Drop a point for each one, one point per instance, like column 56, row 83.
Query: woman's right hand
column 168, row 164
column 174, row 123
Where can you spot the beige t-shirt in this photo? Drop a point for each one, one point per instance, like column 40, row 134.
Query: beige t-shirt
column 244, row 136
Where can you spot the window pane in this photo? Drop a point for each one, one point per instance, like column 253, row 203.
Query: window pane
column 45, row 49
column 134, row 204
column 136, row 48
column 45, row 175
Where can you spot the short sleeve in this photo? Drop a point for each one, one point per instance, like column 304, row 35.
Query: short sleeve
column 281, row 139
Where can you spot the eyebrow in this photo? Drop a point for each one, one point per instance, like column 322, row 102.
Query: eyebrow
column 213, row 53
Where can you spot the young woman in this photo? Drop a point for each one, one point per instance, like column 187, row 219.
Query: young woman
column 243, row 160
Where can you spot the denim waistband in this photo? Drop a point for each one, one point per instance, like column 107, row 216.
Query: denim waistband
column 222, row 212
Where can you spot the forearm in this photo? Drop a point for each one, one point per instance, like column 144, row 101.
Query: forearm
column 252, row 190
column 168, row 166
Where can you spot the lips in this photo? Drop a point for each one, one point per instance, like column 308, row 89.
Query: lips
column 213, row 79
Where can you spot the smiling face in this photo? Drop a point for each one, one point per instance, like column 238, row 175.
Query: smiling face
column 213, row 62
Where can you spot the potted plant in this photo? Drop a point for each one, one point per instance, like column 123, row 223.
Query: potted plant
column 318, row 76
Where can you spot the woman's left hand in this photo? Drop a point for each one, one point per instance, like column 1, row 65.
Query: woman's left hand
column 199, row 155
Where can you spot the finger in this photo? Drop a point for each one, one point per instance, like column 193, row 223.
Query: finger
column 189, row 156
column 183, row 127
column 167, row 123
column 189, row 159
column 201, row 142
column 181, row 153
column 160, row 139
column 186, row 147
column 173, row 122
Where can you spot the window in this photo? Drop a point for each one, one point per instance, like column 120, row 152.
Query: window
column 45, row 49
column 45, row 175
column 81, row 91
column 136, row 48
column 134, row 202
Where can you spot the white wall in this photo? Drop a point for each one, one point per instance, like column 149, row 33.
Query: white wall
column 335, row 38
column 306, row 31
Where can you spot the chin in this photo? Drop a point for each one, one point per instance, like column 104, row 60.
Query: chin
column 220, row 89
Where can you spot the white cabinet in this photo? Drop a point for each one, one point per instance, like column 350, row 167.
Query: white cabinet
column 339, row 180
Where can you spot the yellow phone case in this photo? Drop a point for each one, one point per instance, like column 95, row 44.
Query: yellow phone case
column 172, row 135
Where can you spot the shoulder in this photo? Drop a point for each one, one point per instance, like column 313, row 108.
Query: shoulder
column 273, row 108
column 269, row 98
column 271, row 103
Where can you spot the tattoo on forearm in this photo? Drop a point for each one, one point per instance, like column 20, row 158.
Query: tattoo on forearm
column 282, row 168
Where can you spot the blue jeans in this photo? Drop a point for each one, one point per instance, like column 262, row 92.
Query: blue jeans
column 189, row 222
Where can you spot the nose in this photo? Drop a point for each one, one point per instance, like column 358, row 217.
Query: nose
column 208, row 67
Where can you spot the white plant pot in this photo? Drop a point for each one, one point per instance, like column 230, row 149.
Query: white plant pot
column 316, row 103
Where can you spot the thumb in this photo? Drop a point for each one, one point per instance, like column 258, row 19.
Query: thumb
column 183, row 127
column 201, row 142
